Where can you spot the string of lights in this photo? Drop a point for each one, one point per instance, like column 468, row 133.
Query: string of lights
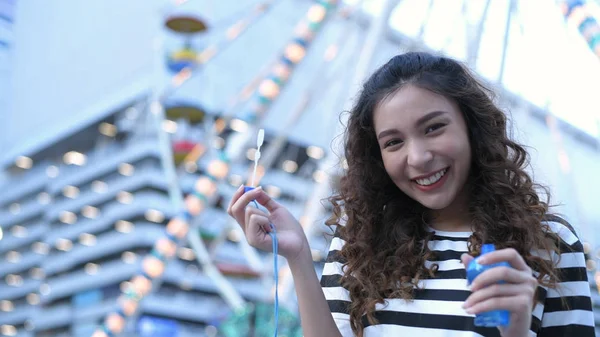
column 205, row 188
column 270, row 88
column 577, row 12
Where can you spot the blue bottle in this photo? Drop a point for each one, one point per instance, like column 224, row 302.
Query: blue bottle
column 491, row 318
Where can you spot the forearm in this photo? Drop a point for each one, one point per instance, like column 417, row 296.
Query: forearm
column 315, row 315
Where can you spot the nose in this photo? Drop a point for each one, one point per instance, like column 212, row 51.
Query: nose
column 419, row 156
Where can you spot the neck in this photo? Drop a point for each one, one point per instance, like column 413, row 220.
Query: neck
column 454, row 218
column 450, row 221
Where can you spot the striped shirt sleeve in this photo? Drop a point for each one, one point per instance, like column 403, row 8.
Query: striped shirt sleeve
column 338, row 298
column 568, row 308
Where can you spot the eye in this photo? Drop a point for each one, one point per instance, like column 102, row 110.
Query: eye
column 392, row 142
column 434, row 127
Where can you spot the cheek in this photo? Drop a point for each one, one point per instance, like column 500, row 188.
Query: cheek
column 393, row 165
column 459, row 150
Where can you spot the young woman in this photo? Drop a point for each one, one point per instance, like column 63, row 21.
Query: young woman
column 431, row 177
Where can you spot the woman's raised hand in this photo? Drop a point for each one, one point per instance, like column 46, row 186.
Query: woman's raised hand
column 515, row 295
column 256, row 223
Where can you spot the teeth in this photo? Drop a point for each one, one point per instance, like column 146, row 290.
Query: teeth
column 432, row 179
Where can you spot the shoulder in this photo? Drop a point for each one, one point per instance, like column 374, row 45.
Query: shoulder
column 338, row 239
column 336, row 245
column 567, row 307
column 562, row 230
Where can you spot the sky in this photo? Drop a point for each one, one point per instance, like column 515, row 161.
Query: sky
column 548, row 62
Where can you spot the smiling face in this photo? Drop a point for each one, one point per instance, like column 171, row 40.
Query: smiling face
column 425, row 146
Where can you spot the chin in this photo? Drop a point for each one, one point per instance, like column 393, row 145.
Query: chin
column 434, row 203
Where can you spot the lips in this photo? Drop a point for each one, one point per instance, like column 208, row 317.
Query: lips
column 432, row 178
column 431, row 181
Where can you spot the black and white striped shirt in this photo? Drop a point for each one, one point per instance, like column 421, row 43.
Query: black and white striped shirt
column 437, row 308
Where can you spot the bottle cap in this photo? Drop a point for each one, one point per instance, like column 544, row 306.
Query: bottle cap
column 487, row 248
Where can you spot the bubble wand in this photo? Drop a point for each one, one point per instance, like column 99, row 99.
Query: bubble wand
column 259, row 142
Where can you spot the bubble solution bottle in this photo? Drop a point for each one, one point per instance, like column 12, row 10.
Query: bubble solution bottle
column 492, row 318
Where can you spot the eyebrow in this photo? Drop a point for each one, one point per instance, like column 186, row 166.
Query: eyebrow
column 386, row 133
column 429, row 117
column 419, row 122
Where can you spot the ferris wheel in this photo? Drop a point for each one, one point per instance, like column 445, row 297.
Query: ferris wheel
column 207, row 146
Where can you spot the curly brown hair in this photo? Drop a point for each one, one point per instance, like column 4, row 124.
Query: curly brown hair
column 385, row 233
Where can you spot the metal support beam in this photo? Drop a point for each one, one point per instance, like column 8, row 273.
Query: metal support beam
column 474, row 41
column 511, row 9
column 376, row 32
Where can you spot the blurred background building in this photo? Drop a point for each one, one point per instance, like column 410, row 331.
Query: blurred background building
column 6, row 41
column 128, row 125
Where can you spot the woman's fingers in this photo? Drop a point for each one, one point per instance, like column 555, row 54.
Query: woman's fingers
column 237, row 209
column 495, row 290
column 506, row 274
column 251, row 211
column 257, row 231
column 503, row 287
column 238, row 193
column 517, row 304
column 509, row 255
column 466, row 259
column 265, row 200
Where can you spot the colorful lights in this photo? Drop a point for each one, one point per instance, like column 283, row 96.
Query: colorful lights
column 71, row 191
column 24, row 162
column 126, row 169
column 293, row 54
column 165, row 248
column 74, row 158
column 578, row 13
column 68, row 217
column 315, row 152
column 107, row 129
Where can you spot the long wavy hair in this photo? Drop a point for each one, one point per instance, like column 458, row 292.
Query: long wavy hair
column 385, row 233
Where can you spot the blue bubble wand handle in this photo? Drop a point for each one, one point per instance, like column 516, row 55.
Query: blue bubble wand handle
column 259, row 142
